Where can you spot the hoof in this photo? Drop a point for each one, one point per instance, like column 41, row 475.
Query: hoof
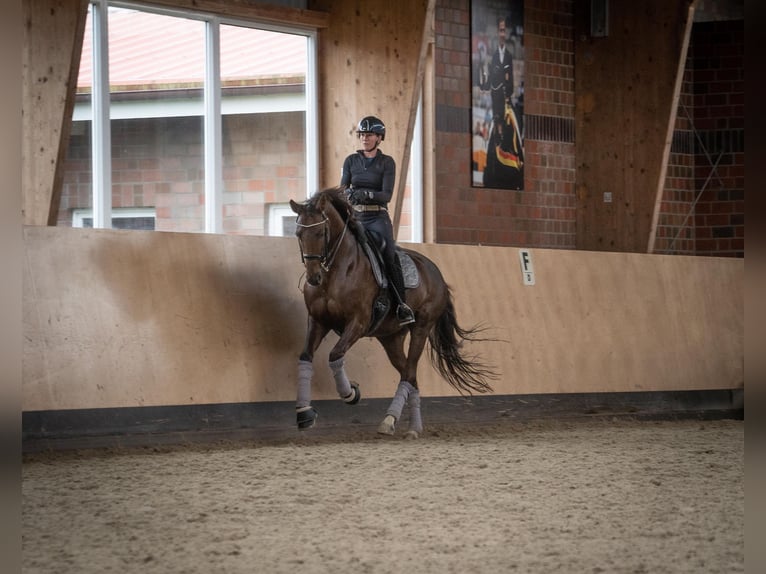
column 307, row 416
column 387, row 426
column 355, row 395
column 411, row 435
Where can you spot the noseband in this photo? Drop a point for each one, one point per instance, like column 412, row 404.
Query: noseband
column 328, row 255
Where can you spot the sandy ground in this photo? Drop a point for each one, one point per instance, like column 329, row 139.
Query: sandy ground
column 581, row 496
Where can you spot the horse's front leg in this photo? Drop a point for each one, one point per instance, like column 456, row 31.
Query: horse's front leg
column 347, row 390
column 306, row 414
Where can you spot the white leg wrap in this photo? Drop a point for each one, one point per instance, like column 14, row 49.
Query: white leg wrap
column 403, row 391
column 416, row 423
column 342, row 384
column 305, row 372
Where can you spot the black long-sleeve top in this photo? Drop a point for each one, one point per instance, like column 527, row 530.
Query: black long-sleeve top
column 376, row 175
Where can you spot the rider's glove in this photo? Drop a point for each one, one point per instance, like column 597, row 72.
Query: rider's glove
column 358, row 196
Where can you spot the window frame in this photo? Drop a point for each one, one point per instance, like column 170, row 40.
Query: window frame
column 81, row 213
column 277, row 214
column 212, row 114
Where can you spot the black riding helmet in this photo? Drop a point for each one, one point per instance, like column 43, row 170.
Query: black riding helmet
column 371, row 124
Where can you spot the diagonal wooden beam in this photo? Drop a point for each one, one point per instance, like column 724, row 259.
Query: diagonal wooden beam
column 53, row 34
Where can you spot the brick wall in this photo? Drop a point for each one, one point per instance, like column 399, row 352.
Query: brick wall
column 699, row 214
column 703, row 206
column 675, row 225
column 719, row 117
column 158, row 163
column 543, row 213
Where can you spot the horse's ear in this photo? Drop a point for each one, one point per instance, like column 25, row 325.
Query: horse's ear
column 296, row 207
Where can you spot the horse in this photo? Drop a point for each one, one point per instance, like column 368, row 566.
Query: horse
column 341, row 293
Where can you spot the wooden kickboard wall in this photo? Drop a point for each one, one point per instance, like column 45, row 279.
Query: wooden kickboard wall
column 126, row 318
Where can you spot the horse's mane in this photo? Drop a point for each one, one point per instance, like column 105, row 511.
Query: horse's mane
column 337, row 197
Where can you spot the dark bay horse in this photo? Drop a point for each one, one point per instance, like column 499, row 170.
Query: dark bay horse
column 340, row 291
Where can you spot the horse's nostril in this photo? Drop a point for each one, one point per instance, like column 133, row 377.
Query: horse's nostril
column 314, row 280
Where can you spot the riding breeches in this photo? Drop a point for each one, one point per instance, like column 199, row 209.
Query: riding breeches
column 379, row 224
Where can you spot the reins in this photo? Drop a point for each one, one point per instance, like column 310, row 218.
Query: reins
column 325, row 259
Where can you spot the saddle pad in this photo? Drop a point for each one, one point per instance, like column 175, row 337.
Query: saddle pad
column 409, row 271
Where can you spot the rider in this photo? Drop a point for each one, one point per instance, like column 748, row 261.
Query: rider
column 368, row 177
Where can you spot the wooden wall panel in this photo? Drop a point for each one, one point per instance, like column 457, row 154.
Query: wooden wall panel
column 53, row 32
column 370, row 57
column 625, row 85
column 127, row 318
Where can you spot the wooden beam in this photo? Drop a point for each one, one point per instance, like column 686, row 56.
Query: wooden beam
column 671, row 125
column 429, row 148
column 53, row 33
column 249, row 10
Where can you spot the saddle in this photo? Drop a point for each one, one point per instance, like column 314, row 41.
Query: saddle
column 382, row 303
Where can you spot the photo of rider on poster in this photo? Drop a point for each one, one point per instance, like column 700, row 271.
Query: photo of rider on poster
column 497, row 93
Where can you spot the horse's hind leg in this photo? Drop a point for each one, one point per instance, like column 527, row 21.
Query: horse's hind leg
column 403, row 393
column 407, row 392
column 418, row 338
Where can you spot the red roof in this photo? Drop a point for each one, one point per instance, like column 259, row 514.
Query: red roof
column 148, row 49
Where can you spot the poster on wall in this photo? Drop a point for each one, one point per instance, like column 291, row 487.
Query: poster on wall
column 497, row 93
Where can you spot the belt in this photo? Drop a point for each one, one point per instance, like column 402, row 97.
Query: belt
column 369, row 208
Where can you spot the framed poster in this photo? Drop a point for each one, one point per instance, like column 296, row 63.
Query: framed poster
column 497, row 93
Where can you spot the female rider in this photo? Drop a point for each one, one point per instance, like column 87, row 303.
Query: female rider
column 368, row 177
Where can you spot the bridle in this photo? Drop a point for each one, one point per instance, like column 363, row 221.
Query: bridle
column 328, row 254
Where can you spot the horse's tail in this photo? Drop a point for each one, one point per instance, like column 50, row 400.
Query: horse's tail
column 466, row 374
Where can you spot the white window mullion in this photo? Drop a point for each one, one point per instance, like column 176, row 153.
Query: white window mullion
column 312, row 129
column 213, row 129
column 100, row 126
column 416, row 169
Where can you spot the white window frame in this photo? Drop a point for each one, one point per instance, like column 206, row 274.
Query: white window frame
column 416, row 183
column 277, row 213
column 78, row 215
column 213, row 156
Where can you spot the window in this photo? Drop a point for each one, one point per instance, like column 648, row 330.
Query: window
column 282, row 221
column 203, row 120
column 122, row 218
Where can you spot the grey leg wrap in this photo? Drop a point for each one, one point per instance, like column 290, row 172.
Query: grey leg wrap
column 305, row 372
column 342, row 384
column 403, row 391
column 416, row 423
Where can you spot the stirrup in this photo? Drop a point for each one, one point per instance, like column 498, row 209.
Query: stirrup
column 405, row 314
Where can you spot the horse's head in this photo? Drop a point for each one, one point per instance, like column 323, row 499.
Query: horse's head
column 320, row 227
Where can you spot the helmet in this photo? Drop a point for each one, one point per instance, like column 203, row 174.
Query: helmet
column 371, row 124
